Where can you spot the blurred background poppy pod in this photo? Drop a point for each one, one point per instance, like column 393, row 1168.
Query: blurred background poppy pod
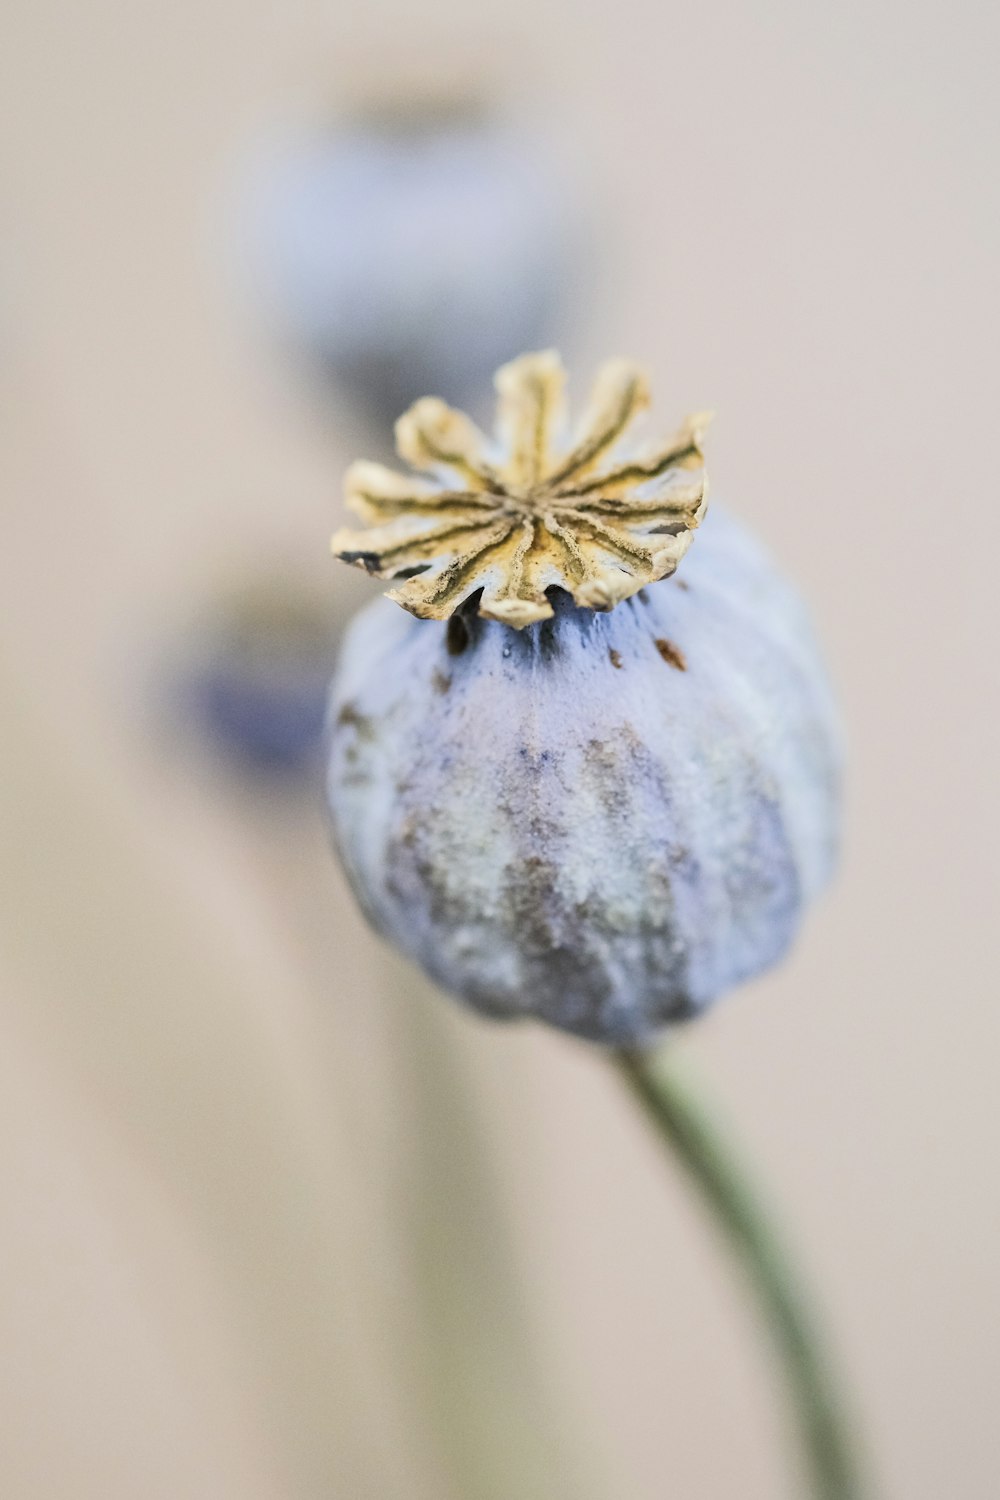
column 414, row 244
column 251, row 673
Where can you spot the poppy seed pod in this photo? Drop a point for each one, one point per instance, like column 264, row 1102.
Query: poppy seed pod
column 350, row 257
column 579, row 788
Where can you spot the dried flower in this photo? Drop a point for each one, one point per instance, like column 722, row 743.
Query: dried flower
column 534, row 514
column 602, row 819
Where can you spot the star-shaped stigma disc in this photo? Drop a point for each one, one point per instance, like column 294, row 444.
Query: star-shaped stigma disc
column 534, row 509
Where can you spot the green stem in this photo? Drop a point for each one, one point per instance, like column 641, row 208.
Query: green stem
column 712, row 1166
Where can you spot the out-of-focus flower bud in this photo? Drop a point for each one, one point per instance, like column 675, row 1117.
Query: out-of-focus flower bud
column 611, row 814
column 414, row 247
column 255, row 682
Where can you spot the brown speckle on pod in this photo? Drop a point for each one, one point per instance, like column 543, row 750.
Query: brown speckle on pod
column 671, row 654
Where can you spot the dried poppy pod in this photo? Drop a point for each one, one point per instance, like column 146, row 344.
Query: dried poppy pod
column 577, row 788
column 344, row 240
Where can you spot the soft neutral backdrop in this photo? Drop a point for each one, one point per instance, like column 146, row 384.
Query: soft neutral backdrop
column 274, row 1220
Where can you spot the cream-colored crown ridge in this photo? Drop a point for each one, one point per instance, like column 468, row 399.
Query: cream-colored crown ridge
column 534, row 509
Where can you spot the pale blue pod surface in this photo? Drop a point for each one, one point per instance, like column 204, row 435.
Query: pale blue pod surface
column 603, row 820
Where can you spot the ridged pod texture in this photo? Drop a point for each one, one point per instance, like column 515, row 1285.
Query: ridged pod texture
column 603, row 820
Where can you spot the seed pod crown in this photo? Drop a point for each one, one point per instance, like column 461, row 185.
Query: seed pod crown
column 504, row 522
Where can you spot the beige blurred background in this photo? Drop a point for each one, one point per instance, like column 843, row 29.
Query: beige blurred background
column 274, row 1220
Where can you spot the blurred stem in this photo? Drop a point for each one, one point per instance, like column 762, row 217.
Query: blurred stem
column 711, row 1164
column 497, row 1428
